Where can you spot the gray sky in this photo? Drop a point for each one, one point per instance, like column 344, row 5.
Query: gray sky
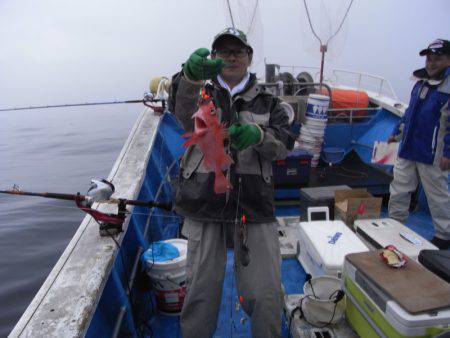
column 55, row 51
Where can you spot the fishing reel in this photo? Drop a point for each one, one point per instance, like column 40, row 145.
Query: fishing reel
column 100, row 191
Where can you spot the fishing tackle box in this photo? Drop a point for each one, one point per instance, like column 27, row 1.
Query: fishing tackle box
column 416, row 303
column 294, row 170
column 379, row 233
column 318, row 196
column 324, row 244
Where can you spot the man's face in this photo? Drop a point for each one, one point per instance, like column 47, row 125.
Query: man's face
column 436, row 63
column 236, row 56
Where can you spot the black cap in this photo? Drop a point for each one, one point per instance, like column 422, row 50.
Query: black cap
column 235, row 33
column 439, row 46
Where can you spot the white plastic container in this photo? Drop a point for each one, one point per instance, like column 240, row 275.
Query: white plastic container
column 313, row 130
column 317, row 106
column 371, row 302
column 382, row 232
column 324, row 244
column 316, row 123
column 169, row 279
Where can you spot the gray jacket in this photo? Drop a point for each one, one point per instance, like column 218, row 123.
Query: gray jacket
column 251, row 174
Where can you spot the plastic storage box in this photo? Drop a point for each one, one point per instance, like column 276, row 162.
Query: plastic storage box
column 437, row 261
column 379, row 233
column 318, row 196
column 292, row 171
column 323, row 246
column 374, row 313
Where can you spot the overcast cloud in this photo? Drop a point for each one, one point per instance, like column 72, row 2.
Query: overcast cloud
column 55, row 51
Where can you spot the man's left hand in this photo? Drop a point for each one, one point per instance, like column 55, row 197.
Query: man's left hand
column 444, row 163
column 244, row 135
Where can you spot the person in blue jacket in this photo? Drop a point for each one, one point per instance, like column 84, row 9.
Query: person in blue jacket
column 424, row 152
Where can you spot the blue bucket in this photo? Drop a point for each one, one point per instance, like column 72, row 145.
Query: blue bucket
column 317, row 107
column 333, row 155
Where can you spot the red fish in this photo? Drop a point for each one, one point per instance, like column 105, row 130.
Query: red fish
column 209, row 135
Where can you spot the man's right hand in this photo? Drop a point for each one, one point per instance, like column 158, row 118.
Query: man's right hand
column 199, row 67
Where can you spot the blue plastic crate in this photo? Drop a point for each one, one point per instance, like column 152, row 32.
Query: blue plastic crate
column 294, row 170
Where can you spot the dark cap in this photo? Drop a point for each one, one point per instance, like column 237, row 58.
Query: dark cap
column 235, row 33
column 439, row 46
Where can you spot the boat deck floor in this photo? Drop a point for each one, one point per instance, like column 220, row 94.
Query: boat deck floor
column 232, row 321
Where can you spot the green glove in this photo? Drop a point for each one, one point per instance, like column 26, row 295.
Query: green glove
column 244, row 135
column 199, row 67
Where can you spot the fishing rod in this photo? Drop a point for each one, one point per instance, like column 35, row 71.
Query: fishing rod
column 100, row 191
column 82, row 198
column 148, row 98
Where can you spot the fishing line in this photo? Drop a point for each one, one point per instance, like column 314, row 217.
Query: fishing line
column 253, row 18
column 77, row 209
column 127, row 279
column 231, row 14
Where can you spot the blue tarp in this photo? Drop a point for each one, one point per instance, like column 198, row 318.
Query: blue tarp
column 160, row 252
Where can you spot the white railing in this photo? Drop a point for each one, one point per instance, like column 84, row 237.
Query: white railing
column 381, row 86
column 382, row 83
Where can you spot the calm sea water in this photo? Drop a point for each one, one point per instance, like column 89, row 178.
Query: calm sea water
column 53, row 150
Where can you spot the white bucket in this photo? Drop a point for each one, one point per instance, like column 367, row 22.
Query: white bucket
column 317, row 106
column 309, row 138
column 315, row 122
column 169, row 279
column 313, row 130
column 324, row 302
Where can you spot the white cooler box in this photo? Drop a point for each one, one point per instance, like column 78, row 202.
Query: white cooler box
column 380, row 233
column 323, row 246
column 373, row 313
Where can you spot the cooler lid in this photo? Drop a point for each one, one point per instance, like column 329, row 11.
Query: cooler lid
column 386, row 231
column 331, row 241
column 322, row 193
column 413, row 287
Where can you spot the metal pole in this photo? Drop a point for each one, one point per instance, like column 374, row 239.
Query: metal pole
column 323, row 49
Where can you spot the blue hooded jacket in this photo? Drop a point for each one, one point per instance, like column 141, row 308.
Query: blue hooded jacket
column 426, row 121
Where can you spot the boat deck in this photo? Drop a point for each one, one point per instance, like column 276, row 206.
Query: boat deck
column 232, row 321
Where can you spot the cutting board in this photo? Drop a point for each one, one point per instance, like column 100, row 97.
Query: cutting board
column 413, row 287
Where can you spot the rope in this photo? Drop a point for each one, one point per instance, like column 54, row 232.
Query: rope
column 342, row 22
column 310, row 24
column 337, row 31
column 253, row 18
column 231, row 14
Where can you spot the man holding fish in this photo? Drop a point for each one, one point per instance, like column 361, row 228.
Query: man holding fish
column 236, row 129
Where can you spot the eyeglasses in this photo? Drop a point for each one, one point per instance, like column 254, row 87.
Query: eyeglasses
column 239, row 53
